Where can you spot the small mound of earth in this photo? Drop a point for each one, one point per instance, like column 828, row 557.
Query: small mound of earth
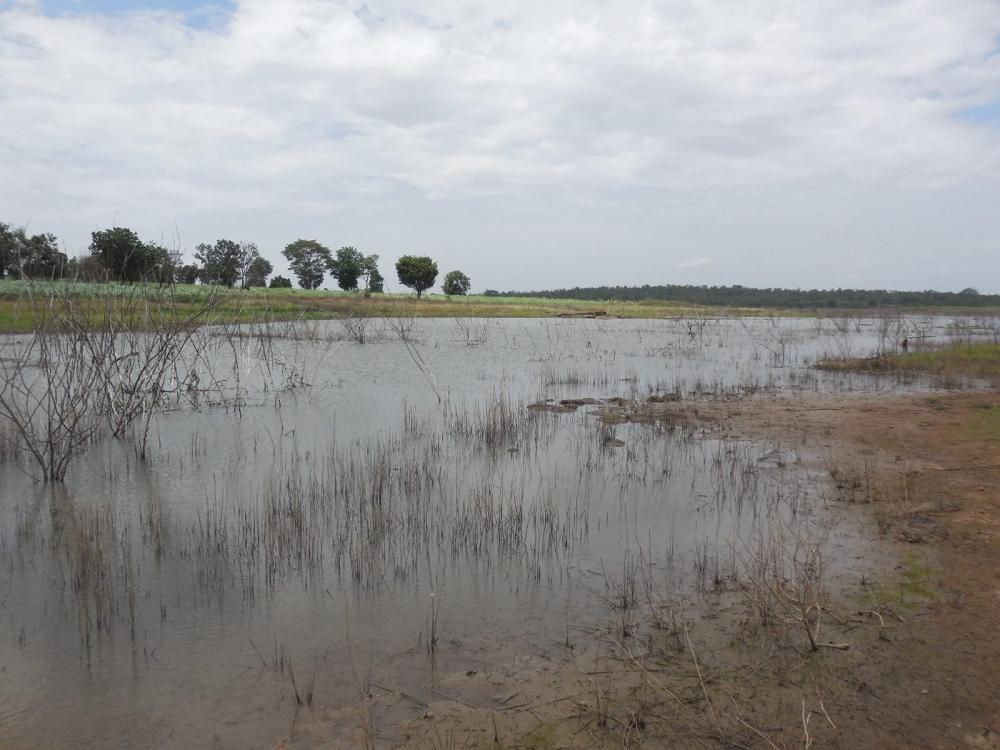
column 921, row 527
column 563, row 406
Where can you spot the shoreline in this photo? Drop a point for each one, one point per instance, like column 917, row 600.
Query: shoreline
column 909, row 656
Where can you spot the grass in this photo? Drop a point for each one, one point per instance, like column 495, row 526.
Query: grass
column 986, row 421
column 286, row 304
column 959, row 359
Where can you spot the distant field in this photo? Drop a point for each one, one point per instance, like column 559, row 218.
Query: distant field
column 16, row 312
column 283, row 304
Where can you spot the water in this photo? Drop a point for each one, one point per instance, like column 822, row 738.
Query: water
column 331, row 510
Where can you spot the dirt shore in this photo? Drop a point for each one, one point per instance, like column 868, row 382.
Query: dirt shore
column 910, row 654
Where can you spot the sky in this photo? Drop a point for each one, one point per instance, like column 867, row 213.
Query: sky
column 840, row 143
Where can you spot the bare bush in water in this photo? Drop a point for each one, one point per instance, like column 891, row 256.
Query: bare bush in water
column 356, row 327
column 89, row 366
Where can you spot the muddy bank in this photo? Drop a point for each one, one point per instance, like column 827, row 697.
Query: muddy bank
column 907, row 651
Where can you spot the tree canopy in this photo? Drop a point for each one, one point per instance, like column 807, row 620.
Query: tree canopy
column 257, row 273
column 188, row 273
column 308, row 260
column 742, row 296
column 346, row 267
column 418, row 272
column 456, row 283
column 351, row 266
column 126, row 257
column 370, row 274
column 30, row 256
column 376, row 282
column 226, row 262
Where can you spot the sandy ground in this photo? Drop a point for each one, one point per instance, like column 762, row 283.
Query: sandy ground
column 917, row 612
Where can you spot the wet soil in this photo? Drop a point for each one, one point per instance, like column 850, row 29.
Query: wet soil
column 916, row 612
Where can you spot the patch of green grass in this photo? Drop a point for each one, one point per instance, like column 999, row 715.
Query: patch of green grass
column 542, row 738
column 284, row 304
column 986, row 420
column 911, row 589
column 960, row 359
column 915, row 576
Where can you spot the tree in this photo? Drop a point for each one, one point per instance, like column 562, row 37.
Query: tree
column 347, row 267
column 126, row 257
column 86, row 268
column 280, row 282
column 376, row 282
column 226, row 262
column 417, row 272
column 308, row 260
column 257, row 273
column 161, row 264
column 188, row 273
column 32, row 256
column 456, row 283
column 373, row 279
column 6, row 248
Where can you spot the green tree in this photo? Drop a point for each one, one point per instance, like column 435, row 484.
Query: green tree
column 86, row 268
column 417, row 272
column 373, row 280
column 456, row 283
column 161, row 264
column 308, row 260
column 6, row 248
column 187, row 273
column 347, row 267
column 125, row 256
column 33, row 256
column 226, row 262
column 257, row 273
column 280, row 282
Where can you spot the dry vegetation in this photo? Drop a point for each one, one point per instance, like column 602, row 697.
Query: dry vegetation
column 779, row 651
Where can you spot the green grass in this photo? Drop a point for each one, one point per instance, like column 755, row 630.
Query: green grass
column 282, row 304
column 959, row 359
column 910, row 590
column 986, row 421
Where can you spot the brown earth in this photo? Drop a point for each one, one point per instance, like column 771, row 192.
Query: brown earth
column 917, row 610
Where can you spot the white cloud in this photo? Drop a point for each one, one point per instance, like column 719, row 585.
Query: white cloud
column 764, row 135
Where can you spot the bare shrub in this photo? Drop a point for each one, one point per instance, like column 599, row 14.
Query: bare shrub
column 93, row 363
column 783, row 577
column 472, row 331
column 356, row 327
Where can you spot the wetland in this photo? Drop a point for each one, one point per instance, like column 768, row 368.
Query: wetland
column 489, row 532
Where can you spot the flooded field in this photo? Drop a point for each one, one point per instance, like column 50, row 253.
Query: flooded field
column 321, row 507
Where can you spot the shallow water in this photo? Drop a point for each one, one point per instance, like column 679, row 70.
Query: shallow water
column 397, row 495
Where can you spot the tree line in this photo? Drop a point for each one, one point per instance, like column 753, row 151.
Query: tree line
column 741, row 296
column 119, row 254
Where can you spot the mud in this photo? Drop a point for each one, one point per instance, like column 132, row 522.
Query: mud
column 915, row 614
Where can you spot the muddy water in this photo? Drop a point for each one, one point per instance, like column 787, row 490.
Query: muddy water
column 329, row 514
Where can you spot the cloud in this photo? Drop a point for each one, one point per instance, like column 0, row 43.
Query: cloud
column 695, row 262
column 578, row 122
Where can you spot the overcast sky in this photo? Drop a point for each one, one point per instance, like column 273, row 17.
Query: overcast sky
column 530, row 144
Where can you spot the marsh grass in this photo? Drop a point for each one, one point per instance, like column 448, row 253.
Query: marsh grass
column 950, row 363
column 477, row 484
